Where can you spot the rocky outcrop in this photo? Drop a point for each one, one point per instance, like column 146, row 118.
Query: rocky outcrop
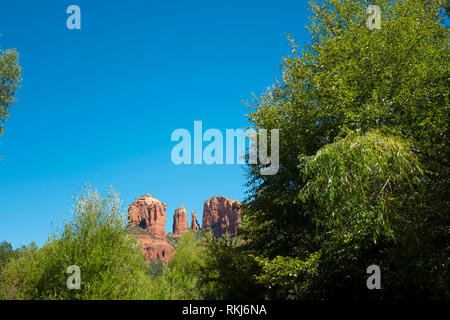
column 154, row 248
column 149, row 214
column 180, row 223
column 147, row 219
column 222, row 215
column 194, row 223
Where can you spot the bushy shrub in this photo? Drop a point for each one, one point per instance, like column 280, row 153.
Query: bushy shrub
column 180, row 278
column 110, row 261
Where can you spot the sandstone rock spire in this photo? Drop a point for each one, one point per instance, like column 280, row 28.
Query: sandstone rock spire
column 194, row 223
column 180, row 224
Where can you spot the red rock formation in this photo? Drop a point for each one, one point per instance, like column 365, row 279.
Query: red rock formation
column 180, row 224
column 149, row 214
column 154, row 248
column 194, row 223
column 222, row 215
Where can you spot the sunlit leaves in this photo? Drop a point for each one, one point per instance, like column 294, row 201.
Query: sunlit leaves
column 9, row 82
column 359, row 175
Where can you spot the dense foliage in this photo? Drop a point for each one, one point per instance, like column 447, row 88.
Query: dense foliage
column 110, row 261
column 180, row 277
column 6, row 254
column 363, row 179
column 9, row 82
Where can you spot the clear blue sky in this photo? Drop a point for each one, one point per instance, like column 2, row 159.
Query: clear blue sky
column 98, row 105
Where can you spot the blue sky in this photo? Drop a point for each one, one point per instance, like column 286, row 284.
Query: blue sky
column 98, row 105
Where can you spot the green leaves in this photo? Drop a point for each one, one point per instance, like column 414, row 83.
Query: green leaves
column 111, row 263
column 286, row 278
column 9, row 82
column 359, row 175
column 363, row 118
column 180, row 278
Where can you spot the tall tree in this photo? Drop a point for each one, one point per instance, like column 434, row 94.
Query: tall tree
column 363, row 118
column 9, row 82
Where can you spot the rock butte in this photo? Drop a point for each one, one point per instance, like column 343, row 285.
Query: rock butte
column 220, row 214
column 149, row 214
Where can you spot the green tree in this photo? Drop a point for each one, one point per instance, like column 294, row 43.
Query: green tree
column 363, row 179
column 180, row 277
column 111, row 263
column 9, row 82
column 6, row 254
column 226, row 271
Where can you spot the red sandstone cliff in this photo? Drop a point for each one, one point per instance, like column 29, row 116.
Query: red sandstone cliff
column 180, row 223
column 149, row 214
column 222, row 215
column 154, row 248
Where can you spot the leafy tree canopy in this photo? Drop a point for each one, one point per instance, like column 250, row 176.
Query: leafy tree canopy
column 9, row 82
column 363, row 119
